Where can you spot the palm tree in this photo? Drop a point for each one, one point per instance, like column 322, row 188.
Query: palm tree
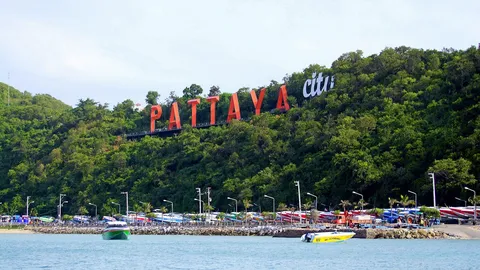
column 246, row 204
column 362, row 203
column 147, row 208
column 345, row 204
column 391, row 202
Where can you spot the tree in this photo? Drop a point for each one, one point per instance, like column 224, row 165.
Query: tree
column 193, row 91
column 345, row 204
column 214, row 91
column 172, row 97
column 152, row 97
column 33, row 212
column 246, row 204
column 147, row 207
column 82, row 210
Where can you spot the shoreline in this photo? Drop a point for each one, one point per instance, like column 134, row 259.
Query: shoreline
column 440, row 232
column 16, row 231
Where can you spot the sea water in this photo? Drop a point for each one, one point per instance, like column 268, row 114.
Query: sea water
column 40, row 251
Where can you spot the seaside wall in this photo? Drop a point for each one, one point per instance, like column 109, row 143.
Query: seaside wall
column 248, row 231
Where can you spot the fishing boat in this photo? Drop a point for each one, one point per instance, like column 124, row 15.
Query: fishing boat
column 116, row 230
column 327, row 237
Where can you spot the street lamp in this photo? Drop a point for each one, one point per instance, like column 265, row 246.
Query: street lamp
column 415, row 197
column 297, row 183
column 200, row 202
column 432, row 176
column 126, row 199
column 60, row 206
column 474, row 204
column 118, row 207
column 273, row 205
column 354, row 192
column 456, row 198
column 95, row 209
column 236, row 203
column 170, row 203
column 28, row 203
column 316, row 199
column 199, row 191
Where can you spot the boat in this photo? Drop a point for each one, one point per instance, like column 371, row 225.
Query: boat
column 116, row 230
column 327, row 237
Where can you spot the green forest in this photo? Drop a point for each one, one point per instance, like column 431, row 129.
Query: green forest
column 390, row 119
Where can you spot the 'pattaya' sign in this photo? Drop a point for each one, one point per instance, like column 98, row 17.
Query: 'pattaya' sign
column 233, row 111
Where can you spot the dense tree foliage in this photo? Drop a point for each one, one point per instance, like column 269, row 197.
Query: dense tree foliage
column 390, row 119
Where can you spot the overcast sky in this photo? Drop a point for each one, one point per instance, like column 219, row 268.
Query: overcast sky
column 116, row 50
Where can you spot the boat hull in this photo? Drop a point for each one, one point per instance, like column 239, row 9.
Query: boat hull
column 116, row 235
column 328, row 237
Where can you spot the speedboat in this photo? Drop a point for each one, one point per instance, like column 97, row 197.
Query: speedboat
column 327, row 237
column 116, row 230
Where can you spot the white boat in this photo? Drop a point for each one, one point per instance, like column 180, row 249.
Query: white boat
column 327, row 237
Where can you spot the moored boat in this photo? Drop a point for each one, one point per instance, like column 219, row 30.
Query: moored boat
column 327, row 237
column 116, row 230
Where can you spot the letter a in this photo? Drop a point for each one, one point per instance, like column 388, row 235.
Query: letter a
column 174, row 117
column 257, row 103
column 234, row 110
column 155, row 113
column 194, row 103
column 212, row 100
column 282, row 98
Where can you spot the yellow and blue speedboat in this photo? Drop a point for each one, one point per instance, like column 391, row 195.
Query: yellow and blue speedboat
column 327, row 237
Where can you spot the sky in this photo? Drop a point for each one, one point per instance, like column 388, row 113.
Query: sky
column 113, row 50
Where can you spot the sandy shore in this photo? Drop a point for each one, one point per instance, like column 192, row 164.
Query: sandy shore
column 15, row 231
column 463, row 231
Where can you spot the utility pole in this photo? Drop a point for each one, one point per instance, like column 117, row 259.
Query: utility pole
column 126, row 199
column 297, row 183
column 208, row 201
column 432, row 176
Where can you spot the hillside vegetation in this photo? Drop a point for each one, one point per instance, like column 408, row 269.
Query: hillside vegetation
column 390, row 119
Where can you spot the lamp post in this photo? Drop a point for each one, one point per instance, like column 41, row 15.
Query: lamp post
column 170, row 203
column 458, row 199
column 96, row 217
column 415, row 197
column 199, row 191
column 474, row 204
column 126, row 199
column 236, row 203
column 297, row 183
column 28, row 203
column 432, row 176
column 200, row 205
column 273, row 205
column 316, row 199
column 60, row 206
column 118, row 207
column 354, row 192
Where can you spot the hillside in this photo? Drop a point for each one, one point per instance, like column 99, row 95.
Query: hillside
column 389, row 120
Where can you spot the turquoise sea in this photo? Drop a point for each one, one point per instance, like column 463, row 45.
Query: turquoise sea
column 38, row 251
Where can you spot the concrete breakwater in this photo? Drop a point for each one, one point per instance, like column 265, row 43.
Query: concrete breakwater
column 274, row 231
column 167, row 230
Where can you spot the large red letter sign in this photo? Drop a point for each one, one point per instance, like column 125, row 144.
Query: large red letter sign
column 234, row 110
column 282, row 98
column 155, row 113
column 194, row 103
column 212, row 100
column 174, row 117
column 257, row 103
